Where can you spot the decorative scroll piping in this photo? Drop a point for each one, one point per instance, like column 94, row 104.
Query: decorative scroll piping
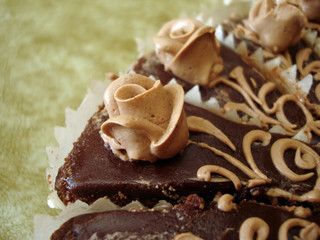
column 145, row 119
column 263, row 92
column 237, row 74
column 256, row 182
column 306, row 158
column 248, row 140
column 235, row 162
column 317, row 91
column 277, row 107
column 204, row 173
column 309, row 230
column 225, row 203
column 313, row 196
column 187, row 236
column 302, row 56
column 300, row 211
column 190, row 50
column 251, row 109
column 197, row 124
column 309, row 160
column 252, row 226
column 310, row 125
column 278, row 24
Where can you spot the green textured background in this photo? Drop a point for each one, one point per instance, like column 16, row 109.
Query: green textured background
column 50, row 50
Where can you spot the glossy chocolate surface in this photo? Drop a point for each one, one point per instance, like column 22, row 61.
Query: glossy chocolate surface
column 92, row 171
column 208, row 223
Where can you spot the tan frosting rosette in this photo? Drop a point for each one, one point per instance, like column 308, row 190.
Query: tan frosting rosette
column 279, row 24
column 146, row 120
column 311, row 8
column 190, row 50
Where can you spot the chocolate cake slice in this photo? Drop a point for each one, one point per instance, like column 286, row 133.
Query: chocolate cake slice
column 250, row 170
column 193, row 117
column 98, row 164
column 281, row 39
column 191, row 221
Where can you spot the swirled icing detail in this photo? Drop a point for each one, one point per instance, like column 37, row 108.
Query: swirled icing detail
column 145, row 119
column 241, row 107
column 190, row 50
column 277, row 153
column 312, row 196
column 302, row 56
column 252, row 226
column 225, row 203
column 278, row 24
column 256, row 182
column 237, row 73
column 278, row 109
column 204, row 173
column 263, row 92
column 310, row 124
column 309, row 160
column 235, row 162
column 317, row 91
column 187, row 236
column 248, row 140
column 251, row 109
column 306, row 158
column 300, row 211
column 198, row 124
column 310, row 230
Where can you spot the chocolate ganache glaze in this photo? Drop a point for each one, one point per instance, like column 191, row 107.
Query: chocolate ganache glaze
column 191, row 221
column 250, row 170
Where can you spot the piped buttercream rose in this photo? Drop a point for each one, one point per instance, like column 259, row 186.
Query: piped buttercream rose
column 278, row 24
column 190, row 50
column 146, row 120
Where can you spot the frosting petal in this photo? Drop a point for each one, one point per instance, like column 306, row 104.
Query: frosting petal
column 146, row 120
column 278, row 24
column 190, row 50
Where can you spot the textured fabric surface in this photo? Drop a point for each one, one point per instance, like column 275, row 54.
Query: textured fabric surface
column 50, row 50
